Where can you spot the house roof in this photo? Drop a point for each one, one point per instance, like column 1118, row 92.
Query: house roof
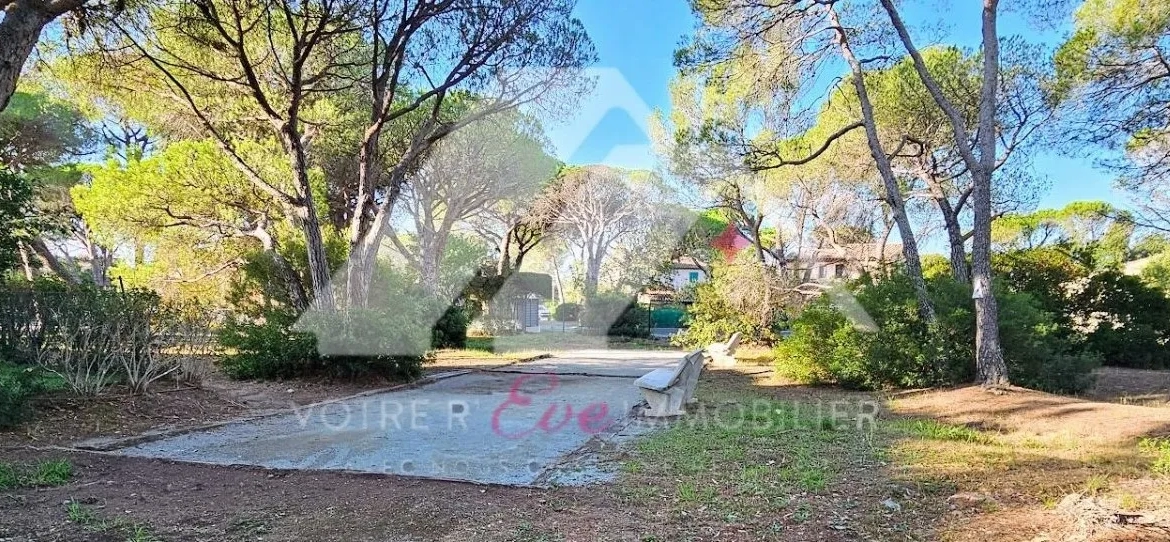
column 686, row 262
column 851, row 252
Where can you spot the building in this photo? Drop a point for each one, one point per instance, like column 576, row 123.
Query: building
column 844, row 262
column 685, row 271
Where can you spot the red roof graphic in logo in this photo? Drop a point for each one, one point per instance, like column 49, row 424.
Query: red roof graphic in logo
column 730, row 242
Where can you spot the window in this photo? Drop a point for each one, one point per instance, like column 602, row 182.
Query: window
column 694, row 276
column 840, row 270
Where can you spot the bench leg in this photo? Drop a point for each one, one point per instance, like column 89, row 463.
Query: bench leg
column 664, row 404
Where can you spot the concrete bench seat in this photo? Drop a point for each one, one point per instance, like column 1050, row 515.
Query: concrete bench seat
column 667, row 391
column 723, row 354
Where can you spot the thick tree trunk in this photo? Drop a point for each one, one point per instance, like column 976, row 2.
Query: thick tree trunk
column 305, row 213
column 504, row 264
column 592, row 274
column 893, row 192
column 990, row 367
column 19, row 32
column 318, row 262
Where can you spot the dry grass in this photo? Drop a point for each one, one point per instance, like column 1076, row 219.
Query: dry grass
column 1035, row 449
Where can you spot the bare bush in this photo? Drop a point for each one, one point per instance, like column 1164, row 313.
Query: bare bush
column 191, row 345
column 138, row 344
column 82, row 350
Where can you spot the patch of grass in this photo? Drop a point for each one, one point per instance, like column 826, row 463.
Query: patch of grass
column 527, row 533
column 936, row 430
column 1129, row 502
column 1096, row 485
column 48, row 473
column 87, row 518
column 742, row 456
column 1159, row 449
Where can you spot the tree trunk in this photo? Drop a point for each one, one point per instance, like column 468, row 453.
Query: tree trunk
column 893, row 192
column 26, row 262
column 430, row 256
column 19, row 31
column 292, row 281
column 38, row 246
column 592, row 274
column 990, row 368
column 957, row 243
column 504, row 265
column 308, row 221
column 318, row 262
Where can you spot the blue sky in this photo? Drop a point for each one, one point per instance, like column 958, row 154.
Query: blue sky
column 637, row 39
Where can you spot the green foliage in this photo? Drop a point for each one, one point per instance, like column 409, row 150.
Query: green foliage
column 567, row 312
column 268, row 348
column 906, row 352
column 91, row 337
column 19, row 384
column 451, row 329
column 1159, row 449
column 17, row 216
column 390, row 342
column 49, row 473
column 1157, row 272
column 1120, row 317
column 742, row 296
column 1124, row 320
column 616, row 314
column 37, row 130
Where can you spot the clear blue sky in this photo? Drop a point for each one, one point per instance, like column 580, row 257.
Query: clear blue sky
column 637, row 40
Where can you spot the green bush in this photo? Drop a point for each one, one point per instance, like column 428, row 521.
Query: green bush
column 742, row 296
column 388, row 343
column 451, row 329
column 18, row 385
column 268, row 348
column 906, row 352
column 1120, row 317
column 1125, row 320
column 567, row 312
column 615, row 315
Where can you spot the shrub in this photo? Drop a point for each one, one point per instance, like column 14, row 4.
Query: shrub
column 1124, row 320
column 1120, row 317
column 905, row 351
column 268, row 348
column 90, row 337
column 18, row 385
column 389, row 343
column 614, row 315
column 567, row 312
column 451, row 329
column 742, row 296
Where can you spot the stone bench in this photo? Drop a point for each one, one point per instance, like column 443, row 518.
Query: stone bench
column 723, row 354
column 667, row 391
